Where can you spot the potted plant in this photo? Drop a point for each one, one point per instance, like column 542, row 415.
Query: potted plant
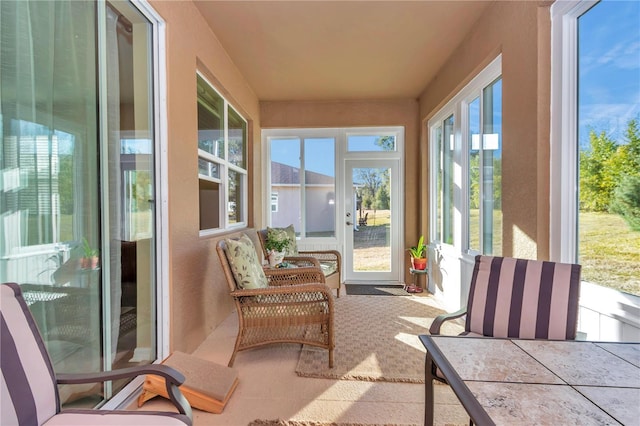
column 419, row 255
column 90, row 256
column 276, row 247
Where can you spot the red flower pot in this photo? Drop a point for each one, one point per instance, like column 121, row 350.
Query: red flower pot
column 419, row 264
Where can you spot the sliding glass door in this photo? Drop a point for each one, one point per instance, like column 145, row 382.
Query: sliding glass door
column 77, row 191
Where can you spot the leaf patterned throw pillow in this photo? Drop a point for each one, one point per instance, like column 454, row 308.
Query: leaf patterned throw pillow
column 245, row 264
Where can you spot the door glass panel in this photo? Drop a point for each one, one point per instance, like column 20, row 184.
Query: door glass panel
column 372, row 231
column 89, row 286
column 49, row 199
column 320, row 187
column 129, row 321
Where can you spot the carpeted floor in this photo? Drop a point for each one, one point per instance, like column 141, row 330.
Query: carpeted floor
column 376, row 340
column 304, row 423
column 375, row 290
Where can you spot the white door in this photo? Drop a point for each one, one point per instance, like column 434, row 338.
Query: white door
column 371, row 221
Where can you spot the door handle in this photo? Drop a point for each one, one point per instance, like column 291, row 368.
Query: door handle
column 349, row 223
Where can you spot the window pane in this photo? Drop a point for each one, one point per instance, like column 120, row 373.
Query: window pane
column 372, row 243
column 492, row 169
column 208, row 168
column 209, row 201
column 473, row 145
column 448, row 183
column 285, row 181
column 609, row 145
column 371, row 143
column 235, row 207
column 237, row 139
column 210, row 119
column 320, row 187
column 438, row 184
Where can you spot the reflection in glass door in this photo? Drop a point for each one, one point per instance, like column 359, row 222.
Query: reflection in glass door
column 372, row 245
column 77, row 194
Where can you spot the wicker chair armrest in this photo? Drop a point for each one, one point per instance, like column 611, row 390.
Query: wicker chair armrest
column 173, row 380
column 292, row 276
column 440, row 319
column 303, row 261
column 320, row 288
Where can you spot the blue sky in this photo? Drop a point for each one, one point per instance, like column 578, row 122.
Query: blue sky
column 609, row 68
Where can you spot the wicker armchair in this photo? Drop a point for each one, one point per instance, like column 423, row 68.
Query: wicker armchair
column 330, row 261
column 296, row 307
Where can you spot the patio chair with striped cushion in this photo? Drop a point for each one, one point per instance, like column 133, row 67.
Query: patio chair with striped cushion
column 516, row 298
column 29, row 392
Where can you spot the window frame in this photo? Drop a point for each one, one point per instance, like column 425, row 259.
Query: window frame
column 226, row 166
column 563, row 142
column 457, row 107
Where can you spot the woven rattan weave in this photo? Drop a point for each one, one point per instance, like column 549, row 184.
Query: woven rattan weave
column 296, row 307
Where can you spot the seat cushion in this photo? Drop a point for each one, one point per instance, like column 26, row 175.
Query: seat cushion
column 120, row 418
column 288, row 233
column 328, row 268
column 245, row 265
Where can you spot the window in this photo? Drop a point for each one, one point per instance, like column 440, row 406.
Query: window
column 595, row 142
column 466, row 158
column 303, row 179
column 484, row 140
column 222, row 153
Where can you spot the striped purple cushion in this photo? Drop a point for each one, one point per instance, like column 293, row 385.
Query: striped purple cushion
column 523, row 298
column 29, row 394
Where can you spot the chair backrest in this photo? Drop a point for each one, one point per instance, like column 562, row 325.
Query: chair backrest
column 262, row 236
column 528, row 299
column 29, row 393
column 226, row 267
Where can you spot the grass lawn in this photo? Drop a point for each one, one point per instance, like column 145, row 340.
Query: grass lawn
column 609, row 252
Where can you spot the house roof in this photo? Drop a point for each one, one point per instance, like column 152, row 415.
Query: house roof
column 283, row 174
column 340, row 50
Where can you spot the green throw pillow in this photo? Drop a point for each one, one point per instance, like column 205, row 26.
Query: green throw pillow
column 245, row 264
column 288, row 233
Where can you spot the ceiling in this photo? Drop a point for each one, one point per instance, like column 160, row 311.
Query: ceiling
column 340, row 50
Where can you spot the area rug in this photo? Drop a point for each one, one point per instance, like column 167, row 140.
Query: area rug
column 311, row 423
column 375, row 290
column 376, row 340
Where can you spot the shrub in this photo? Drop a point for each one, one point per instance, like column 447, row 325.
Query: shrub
column 626, row 201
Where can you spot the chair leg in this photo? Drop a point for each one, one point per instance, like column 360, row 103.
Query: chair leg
column 429, row 391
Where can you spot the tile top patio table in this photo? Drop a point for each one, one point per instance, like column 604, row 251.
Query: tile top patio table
column 517, row 381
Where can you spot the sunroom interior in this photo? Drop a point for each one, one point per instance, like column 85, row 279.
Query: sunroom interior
column 289, row 71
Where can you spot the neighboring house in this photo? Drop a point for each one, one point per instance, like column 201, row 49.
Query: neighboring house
column 285, row 199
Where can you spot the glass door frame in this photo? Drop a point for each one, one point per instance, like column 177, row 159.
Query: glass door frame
column 160, row 271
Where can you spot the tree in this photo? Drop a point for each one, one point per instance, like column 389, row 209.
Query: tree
column 387, row 143
column 597, row 179
column 626, row 201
